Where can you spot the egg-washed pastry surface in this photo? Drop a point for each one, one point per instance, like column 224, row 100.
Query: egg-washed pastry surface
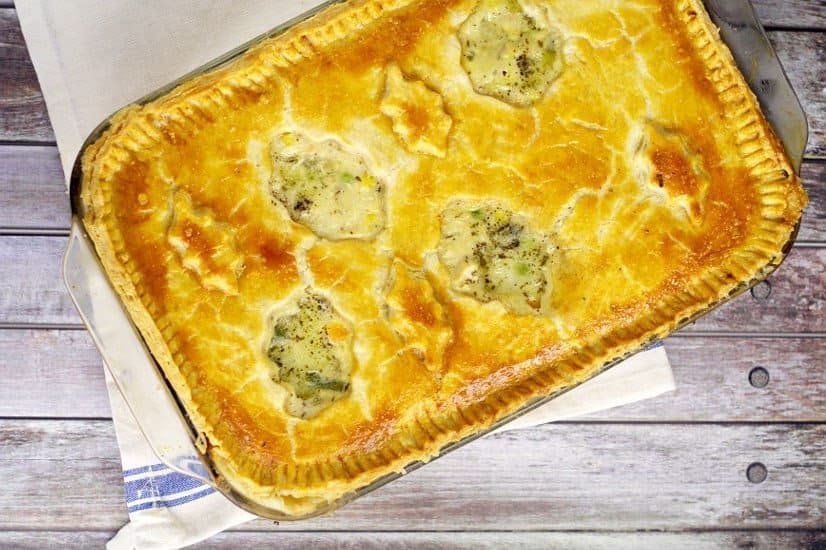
column 403, row 220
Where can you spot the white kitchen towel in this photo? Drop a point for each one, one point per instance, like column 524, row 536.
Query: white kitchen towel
column 94, row 56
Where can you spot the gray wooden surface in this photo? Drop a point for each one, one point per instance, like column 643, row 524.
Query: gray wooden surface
column 667, row 472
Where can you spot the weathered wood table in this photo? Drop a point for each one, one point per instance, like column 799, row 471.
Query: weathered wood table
column 732, row 458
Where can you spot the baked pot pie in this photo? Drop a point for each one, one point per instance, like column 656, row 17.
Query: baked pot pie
column 403, row 220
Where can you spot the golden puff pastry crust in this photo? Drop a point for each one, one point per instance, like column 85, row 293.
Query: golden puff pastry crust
column 402, row 220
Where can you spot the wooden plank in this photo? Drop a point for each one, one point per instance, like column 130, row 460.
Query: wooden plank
column 558, row 477
column 712, row 378
column 493, row 540
column 32, row 291
column 63, row 377
column 796, row 302
column 33, row 195
column 61, row 371
column 23, row 115
column 66, row 540
column 31, row 283
column 803, row 55
column 813, row 226
column 72, row 470
column 797, row 14
column 529, row 540
column 32, row 192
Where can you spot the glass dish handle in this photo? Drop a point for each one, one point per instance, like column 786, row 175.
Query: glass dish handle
column 741, row 30
column 125, row 355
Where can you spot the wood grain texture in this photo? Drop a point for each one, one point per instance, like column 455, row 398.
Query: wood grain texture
column 797, row 302
column 70, row 470
column 33, row 194
column 557, row 477
column 813, row 226
column 23, row 116
column 797, row 14
column 493, row 540
column 63, row 376
column 803, row 55
column 712, row 378
column 51, row 373
column 31, row 283
column 32, row 291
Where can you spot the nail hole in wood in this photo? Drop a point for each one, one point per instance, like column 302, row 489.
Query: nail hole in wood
column 762, row 290
column 759, row 377
column 757, row 472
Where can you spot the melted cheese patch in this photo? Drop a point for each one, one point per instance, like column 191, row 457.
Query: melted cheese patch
column 492, row 255
column 311, row 350
column 509, row 54
column 327, row 189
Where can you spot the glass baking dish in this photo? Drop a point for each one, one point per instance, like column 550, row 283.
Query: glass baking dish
column 141, row 381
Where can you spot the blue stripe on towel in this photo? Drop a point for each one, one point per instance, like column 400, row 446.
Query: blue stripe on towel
column 159, row 486
column 158, row 503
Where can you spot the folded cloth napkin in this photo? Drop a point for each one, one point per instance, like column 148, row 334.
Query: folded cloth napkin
column 94, row 56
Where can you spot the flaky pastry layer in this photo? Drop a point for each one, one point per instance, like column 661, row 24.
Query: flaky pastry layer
column 647, row 179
